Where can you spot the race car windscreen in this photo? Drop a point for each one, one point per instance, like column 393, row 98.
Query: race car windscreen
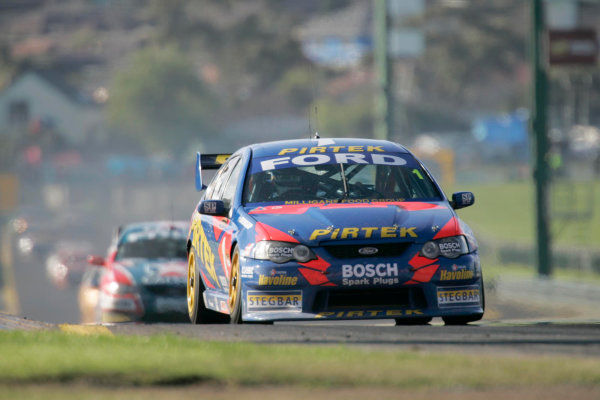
column 169, row 247
column 338, row 178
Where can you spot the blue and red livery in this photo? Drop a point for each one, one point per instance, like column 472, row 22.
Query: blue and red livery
column 320, row 229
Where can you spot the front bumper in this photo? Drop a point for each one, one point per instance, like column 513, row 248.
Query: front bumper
column 371, row 289
column 144, row 307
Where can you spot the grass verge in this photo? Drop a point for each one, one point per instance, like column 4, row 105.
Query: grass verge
column 505, row 212
column 162, row 360
column 494, row 269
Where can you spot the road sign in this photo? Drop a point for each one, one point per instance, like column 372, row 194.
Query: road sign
column 406, row 43
column 573, row 47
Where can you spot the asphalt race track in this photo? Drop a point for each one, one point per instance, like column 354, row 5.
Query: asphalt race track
column 528, row 316
column 582, row 339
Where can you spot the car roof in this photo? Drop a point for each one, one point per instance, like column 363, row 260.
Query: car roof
column 273, row 148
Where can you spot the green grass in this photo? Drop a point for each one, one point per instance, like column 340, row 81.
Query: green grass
column 47, row 357
column 503, row 219
column 506, row 212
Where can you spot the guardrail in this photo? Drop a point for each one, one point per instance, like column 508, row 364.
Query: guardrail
column 580, row 259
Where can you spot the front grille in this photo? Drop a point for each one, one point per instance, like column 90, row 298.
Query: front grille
column 412, row 297
column 352, row 250
column 167, row 290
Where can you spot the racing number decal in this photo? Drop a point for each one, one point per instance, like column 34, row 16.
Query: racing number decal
column 207, row 257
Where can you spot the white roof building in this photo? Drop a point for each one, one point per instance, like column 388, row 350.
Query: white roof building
column 36, row 97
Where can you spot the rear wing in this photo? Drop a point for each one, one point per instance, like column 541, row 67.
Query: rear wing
column 207, row 161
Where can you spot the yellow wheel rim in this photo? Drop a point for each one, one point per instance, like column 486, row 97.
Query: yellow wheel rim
column 191, row 281
column 234, row 281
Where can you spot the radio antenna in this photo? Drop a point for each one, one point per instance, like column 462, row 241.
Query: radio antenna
column 313, row 102
column 316, row 122
column 309, row 127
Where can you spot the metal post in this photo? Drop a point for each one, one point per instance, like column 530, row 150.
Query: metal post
column 541, row 172
column 384, row 100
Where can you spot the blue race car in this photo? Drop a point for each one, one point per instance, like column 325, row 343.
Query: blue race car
column 320, row 229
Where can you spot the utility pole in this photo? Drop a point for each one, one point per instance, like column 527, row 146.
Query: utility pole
column 541, row 171
column 384, row 98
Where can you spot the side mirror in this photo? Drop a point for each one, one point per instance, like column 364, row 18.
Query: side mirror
column 462, row 200
column 212, row 207
column 96, row 260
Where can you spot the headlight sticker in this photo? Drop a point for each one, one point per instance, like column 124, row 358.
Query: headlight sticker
column 282, row 252
column 449, row 247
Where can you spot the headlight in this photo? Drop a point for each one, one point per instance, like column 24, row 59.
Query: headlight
column 430, row 250
column 119, row 288
column 280, row 252
column 450, row 247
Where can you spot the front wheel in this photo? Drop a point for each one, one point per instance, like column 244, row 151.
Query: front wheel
column 235, row 290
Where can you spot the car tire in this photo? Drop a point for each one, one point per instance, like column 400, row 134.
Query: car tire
column 413, row 321
column 465, row 319
column 197, row 310
column 235, row 290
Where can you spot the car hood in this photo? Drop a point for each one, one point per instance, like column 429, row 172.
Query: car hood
column 153, row 272
column 315, row 224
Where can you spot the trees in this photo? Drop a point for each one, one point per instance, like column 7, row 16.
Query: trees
column 159, row 102
column 251, row 42
column 474, row 54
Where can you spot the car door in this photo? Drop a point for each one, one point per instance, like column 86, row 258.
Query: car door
column 218, row 230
